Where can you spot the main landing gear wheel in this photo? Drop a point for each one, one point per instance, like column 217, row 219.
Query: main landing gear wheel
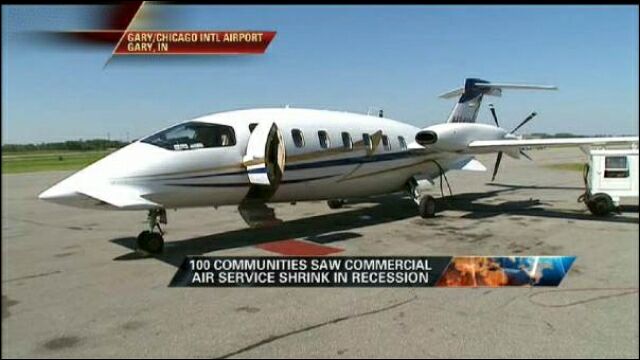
column 149, row 240
column 427, row 207
column 335, row 203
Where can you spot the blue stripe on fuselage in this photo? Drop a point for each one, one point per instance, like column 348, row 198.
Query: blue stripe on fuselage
column 350, row 161
column 313, row 165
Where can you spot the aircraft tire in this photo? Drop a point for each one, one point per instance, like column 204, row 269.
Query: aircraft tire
column 427, row 207
column 151, row 242
column 335, row 204
column 600, row 204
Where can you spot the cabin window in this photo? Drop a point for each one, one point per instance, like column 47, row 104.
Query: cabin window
column 402, row 142
column 252, row 126
column 385, row 143
column 616, row 167
column 346, row 141
column 298, row 138
column 193, row 135
column 325, row 142
column 366, row 139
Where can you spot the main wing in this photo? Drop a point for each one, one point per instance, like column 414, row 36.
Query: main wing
column 514, row 144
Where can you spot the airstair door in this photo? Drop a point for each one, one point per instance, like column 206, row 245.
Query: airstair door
column 265, row 155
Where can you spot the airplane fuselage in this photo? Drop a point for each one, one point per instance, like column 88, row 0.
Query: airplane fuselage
column 328, row 155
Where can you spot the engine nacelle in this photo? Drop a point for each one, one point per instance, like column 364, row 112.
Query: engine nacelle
column 455, row 137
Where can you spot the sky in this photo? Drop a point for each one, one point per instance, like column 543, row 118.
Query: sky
column 351, row 58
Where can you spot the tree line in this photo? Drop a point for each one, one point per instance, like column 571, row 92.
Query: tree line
column 72, row 145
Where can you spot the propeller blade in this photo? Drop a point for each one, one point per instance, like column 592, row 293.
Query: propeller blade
column 497, row 165
column 525, row 155
column 533, row 114
column 493, row 112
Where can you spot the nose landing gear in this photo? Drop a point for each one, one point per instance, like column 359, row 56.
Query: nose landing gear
column 151, row 241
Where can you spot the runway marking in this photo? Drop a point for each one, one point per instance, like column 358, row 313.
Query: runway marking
column 294, row 247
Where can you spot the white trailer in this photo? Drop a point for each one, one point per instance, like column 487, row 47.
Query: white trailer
column 609, row 175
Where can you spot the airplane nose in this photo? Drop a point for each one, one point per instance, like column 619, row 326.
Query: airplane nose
column 92, row 188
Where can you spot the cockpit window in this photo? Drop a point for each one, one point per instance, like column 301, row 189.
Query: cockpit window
column 193, row 135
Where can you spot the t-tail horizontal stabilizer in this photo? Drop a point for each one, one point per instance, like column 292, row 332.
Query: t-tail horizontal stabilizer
column 466, row 110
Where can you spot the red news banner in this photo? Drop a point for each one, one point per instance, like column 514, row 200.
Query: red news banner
column 194, row 42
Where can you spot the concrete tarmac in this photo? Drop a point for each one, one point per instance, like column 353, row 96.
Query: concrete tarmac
column 72, row 286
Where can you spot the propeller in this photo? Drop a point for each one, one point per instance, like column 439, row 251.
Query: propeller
column 496, row 166
column 528, row 118
column 499, row 157
column 525, row 155
column 493, row 112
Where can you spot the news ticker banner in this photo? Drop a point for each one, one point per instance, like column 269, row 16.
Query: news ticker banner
column 402, row 271
column 140, row 28
column 141, row 42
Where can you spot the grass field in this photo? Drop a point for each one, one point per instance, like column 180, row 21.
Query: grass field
column 567, row 166
column 18, row 162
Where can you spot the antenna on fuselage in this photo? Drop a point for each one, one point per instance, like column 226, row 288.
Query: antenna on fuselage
column 375, row 110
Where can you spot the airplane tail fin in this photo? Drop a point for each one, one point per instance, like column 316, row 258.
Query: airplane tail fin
column 466, row 110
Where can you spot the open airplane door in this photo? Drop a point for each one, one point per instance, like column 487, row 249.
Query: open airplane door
column 265, row 155
column 264, row 161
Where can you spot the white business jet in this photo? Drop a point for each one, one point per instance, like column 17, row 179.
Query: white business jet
column 257, row 156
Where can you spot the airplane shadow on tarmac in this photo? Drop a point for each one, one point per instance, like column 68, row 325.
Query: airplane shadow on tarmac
column 338, row 225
